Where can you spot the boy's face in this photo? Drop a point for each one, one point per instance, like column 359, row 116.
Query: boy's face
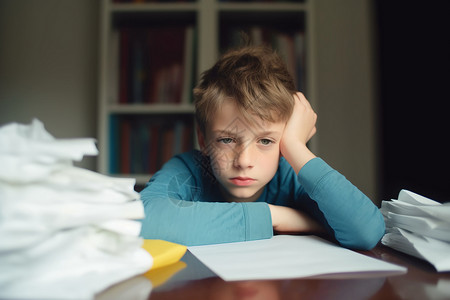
column 244, row 157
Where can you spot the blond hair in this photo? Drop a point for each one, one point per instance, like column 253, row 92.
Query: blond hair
column 255, row 77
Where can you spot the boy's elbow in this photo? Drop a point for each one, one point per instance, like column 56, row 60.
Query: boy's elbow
column 366, row 242
column 366, row 237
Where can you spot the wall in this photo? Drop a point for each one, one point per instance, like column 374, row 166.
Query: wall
column 48, row 63
column 346, row 95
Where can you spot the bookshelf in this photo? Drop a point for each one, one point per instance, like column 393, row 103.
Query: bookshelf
column 152, row 54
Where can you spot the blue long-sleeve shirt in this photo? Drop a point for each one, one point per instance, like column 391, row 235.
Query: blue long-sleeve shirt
column 183, row 204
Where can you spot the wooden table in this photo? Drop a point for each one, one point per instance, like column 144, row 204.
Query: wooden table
column 420, row 282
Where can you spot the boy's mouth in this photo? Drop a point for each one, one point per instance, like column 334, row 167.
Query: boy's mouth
column 242, row 181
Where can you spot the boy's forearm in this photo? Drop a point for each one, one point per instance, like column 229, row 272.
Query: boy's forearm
column 354, row 220
column 297, row 155
column 197, row 223
column 286, row 219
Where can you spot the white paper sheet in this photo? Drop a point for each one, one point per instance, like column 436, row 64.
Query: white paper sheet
column 284, row 256
column 434, row 251
column 412, row 204
column 418, row 226
column 29, row 153
column 424, row 226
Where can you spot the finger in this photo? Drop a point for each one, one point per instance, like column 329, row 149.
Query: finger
column 297, row 100
column 303, row 100
column 299, row 97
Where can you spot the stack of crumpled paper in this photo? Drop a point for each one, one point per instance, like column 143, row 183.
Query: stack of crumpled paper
column 65, row 232
column 418, row 226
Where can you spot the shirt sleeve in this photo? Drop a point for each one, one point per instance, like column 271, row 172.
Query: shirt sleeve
column 352, row 217
column 174, row 213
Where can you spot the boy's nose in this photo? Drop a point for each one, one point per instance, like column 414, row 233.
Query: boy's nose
column 243, row 157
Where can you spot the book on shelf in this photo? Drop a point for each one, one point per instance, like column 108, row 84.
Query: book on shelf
column 125, row 146
column 143, row 146
column 154, row 149
column 155, row 64
column 289, row 44
column 114, row 145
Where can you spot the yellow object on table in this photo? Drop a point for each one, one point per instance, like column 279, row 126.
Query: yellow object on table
column 166, row 260
column 164, row 253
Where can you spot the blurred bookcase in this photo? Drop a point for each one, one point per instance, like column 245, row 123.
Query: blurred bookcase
column 151, row 55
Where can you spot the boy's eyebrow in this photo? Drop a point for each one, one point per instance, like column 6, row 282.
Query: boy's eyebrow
column 225, row 132
column 263, row 133
column 234, row 132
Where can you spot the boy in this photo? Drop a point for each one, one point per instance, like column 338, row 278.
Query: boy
column 254, row 173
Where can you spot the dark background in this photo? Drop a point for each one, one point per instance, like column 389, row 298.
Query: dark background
column 413, row 78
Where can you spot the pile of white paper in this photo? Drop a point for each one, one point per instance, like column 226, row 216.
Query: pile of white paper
column 418, row 226
column 65, row 232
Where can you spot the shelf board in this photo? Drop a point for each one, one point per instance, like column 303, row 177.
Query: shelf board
column 262, row 7
column 153, row 7
column 276, row 14
column 151, row 108
column 153, row 13
column 141, row 179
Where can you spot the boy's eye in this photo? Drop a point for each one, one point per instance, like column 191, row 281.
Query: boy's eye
column 265, row 142
column 225, row 140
